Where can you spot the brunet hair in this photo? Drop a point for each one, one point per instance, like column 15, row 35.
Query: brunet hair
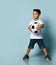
column 37, row 10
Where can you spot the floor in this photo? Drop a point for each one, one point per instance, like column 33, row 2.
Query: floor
column 33, row 60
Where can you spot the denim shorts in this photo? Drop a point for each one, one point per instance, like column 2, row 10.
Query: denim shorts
column 38, row 41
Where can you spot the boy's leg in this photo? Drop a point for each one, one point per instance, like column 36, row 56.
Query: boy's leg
column 31, row 46
column 47, row 56
column 42, row 46
column 28, row 51
column 45, row 51
column 26, row 56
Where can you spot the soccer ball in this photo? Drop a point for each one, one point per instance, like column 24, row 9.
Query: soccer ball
column 33, row 27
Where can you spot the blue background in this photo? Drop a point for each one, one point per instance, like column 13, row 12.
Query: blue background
column 14, row 35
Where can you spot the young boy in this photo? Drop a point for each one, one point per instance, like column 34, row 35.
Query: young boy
column 36, row 38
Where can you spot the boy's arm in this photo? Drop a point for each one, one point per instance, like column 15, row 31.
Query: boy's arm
column 40, row 26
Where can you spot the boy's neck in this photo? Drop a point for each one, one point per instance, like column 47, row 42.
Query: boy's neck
column 36, row 19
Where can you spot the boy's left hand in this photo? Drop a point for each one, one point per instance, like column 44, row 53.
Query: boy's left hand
column 40, row 26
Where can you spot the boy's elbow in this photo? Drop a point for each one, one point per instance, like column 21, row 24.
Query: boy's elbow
column 28, row 27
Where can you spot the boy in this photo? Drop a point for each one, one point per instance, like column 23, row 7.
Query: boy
column 36, row 38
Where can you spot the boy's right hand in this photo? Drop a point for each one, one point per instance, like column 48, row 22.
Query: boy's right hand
column 29, row 27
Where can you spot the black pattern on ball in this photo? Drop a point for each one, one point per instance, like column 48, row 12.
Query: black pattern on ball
column 33, row 27
column 35, row 31
column 35, row 22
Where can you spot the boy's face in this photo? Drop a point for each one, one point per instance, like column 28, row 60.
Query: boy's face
column 35, row 15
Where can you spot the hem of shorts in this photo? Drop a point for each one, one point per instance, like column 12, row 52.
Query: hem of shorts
column 30, row 47
column 36, row 38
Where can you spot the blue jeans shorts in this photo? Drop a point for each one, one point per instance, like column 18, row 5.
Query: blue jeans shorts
column 38, row 41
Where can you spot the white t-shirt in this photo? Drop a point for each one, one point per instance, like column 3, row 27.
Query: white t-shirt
column 36, row 35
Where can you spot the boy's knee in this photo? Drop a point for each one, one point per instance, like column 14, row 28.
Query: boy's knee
column 44, row 49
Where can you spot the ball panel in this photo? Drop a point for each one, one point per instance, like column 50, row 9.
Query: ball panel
column 34, row 27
